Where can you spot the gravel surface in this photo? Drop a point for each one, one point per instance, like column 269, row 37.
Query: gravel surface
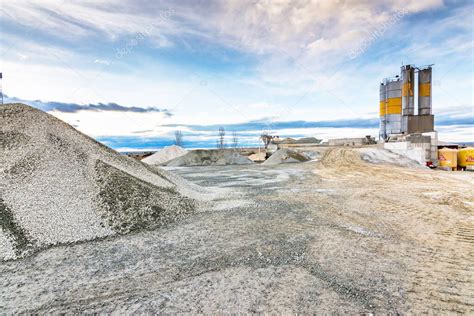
column 60, row 186
column 7, row 250
column 164, row 155
column 326, row 237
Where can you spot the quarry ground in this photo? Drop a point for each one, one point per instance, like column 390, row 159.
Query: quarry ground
column 335, row 235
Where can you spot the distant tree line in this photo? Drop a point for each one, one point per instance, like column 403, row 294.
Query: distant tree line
column 221, row 140
column 178, row 138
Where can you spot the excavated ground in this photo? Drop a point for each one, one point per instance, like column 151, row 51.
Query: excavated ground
column 339, row 235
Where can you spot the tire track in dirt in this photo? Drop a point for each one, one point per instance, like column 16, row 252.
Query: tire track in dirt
column 441, row 230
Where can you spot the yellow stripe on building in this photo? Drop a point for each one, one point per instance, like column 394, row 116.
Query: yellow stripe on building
column 407, row 89
column 391, row 106
column 424, row 89
column 394, row 110
column 394, row 102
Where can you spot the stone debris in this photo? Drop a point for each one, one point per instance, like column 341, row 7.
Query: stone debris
column 60, row 186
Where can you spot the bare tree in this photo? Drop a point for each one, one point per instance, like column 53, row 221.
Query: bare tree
column 235, row 140
column 221, row 140
column 266, row 139
column 178, row 138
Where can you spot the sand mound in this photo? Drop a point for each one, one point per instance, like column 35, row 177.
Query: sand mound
column 257, row 157
column 57, row 186
column 285, row 156
column 215, row 157
column 379, row 156
column 164, row 155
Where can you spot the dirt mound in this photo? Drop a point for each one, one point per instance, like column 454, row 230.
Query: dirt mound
column 257, row 157
column 58, row 185
column 285, row 156
column 341, row 157
column 164, row 155
column 216, row 157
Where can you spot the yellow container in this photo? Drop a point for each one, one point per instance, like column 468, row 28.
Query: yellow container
column 466, row 157
column 448, row 157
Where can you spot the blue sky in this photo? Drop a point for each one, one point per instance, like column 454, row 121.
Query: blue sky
column 301, row 68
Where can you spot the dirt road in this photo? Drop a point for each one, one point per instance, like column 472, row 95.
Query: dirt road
column 338, row 235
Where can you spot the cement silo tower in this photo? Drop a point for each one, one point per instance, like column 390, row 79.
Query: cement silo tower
column 390, row 107
column 383, row 111
column 408, row 94
column 397, row 103
column 424, row 91
column 394, row 107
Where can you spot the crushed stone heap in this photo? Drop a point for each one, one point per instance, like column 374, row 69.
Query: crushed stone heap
column 59, row 186
column 164, row 155
column 285, row 156
column 211, row 157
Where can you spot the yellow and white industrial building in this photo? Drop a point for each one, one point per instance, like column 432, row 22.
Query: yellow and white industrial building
column 411, row 133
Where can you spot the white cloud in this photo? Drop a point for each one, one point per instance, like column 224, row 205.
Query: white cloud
column 98, row 124
column 102, row 61
column 299, row 46
column 304, row 27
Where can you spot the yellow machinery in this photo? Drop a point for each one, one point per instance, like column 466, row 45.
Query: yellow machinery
column 466, row 158
column 448, row 158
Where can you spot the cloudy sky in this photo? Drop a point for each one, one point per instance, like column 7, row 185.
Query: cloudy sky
column 131, row 72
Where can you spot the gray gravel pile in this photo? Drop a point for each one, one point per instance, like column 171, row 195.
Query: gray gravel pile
column 287, row 140
column 311, row 154
column 164, row 155
column 308, row 140
column 211, row 157
column 304, row 140
column 58, row 186
column 379, row 156
column 285, row 156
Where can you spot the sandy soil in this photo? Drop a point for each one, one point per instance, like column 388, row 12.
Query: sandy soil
column 336, row 235
column 428, row 213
